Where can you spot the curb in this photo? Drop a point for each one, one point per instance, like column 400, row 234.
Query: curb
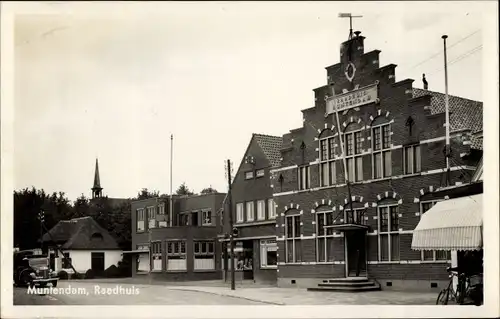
column 226, row 295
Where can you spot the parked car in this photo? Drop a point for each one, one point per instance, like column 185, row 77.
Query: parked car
column 32, row 270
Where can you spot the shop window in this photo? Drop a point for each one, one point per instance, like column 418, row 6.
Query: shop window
column 268, row 254
column 204, row 255
column 176, row 256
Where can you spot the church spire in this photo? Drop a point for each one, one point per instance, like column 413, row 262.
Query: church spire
column 96, row 189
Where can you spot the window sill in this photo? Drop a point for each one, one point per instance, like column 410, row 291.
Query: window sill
column 268, row 267
column 176, row 271
column 204, row 270
column 435, row 261
column 256, row 223
column 157, row 271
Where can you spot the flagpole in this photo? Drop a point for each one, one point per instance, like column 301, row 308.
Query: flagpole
column 447, row 113
column 171, row 188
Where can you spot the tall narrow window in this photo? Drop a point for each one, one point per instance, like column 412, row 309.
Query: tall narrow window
column 271, row 208
column 156, row 255
column 293, row 245
column 250, row 211
column 412, row 159
column 151, row 217
column 433, row 255
column 239, row 213
column 327, row 168
column 354, row 160
column 140, row 219
column 381, row 147
column 388, row 229
column 324, row 236
column 303, row 177
column 261, row 210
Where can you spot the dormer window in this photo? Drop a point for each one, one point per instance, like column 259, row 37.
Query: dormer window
column 259, row 173
column 249, row 175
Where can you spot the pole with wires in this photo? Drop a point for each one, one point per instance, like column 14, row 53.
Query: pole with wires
column 447, row 114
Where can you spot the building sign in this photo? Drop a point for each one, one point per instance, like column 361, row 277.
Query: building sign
column 368, row 94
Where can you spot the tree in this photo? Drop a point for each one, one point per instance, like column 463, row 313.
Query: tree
column 183, row 190
column 145, row 194
column 208, row 190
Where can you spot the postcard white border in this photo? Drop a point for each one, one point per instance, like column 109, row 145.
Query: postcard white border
column 491, row 222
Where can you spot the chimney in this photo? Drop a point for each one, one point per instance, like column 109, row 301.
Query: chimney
column 352, row 49
column 426, row 85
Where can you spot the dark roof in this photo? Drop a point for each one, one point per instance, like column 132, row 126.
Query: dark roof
column 77, row 233
column 464, row 113
column 271, row 146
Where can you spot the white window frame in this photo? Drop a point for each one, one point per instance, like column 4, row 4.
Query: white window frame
column 293, row 239
column 140, row 218
column 204, row 254
column 271, row 206
column 304, row 177
column 381, row 151
column 151, row 214
column 260, row 173
column 422, row 254
column 240, row 212
column 180, row 254
column 322, row 215
column 387, row 233
column 249, row 175
column 250, row 210
column 357, row 155
column 261, row 209
column 161, row 209
column 356, row 210
column 206, row 217
column 265, row 246
column 327, row 161
column 156, row 255
column 416, row 160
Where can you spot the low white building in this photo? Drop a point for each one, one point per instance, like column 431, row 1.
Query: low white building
column 85, row 244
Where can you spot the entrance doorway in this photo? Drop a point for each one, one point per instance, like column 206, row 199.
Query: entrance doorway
column 355, row 253
column 97, row 262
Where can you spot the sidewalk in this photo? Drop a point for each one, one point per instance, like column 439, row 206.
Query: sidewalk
column 294, row 296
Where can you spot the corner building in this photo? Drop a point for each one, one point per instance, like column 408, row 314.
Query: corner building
column 394, row 140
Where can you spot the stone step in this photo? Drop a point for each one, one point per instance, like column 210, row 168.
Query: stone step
column 347, row 284
column 348, row 279
column 375, row 287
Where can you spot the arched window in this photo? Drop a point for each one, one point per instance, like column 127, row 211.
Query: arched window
column 381, row 148
column 353, row 147
column 324, row 236
column 327, row 167
column 293, row 245
column 96, row 237
column 388, row 230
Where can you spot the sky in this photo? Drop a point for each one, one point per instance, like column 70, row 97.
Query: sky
column 115, row 83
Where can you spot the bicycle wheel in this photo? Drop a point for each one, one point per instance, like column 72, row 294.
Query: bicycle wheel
column 442, row 298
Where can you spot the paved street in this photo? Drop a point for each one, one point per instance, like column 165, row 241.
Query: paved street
column 107, row 293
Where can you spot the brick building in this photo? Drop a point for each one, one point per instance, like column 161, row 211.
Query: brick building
column 253, row 211
column 180, row 244
column 394, row 139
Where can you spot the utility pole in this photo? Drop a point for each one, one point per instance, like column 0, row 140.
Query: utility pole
column 447, row 113
column 171, row 208
column 231, row 235
column 41, row 217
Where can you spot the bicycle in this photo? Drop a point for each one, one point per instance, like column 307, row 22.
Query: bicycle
column 457, row 295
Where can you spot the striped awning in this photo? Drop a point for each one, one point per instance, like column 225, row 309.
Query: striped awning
column 454, row 224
